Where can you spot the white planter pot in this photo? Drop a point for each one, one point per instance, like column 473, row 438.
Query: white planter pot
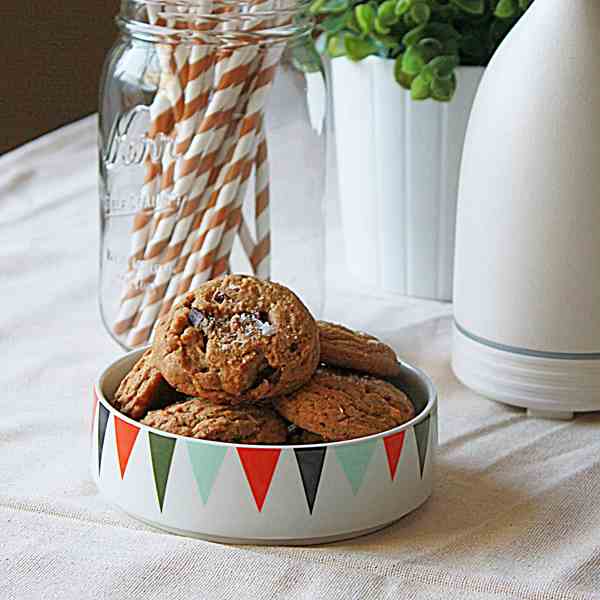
column 398, row 165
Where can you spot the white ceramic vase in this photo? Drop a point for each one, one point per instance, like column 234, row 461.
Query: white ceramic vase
column 527, row 293
column 398, row 166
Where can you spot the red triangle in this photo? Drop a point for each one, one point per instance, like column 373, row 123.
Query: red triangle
column 94, row 408
column 259, row 465
column 125, row 434
column 393, row 448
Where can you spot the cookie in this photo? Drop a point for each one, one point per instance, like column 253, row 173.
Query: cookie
column 342, row 347
column 247, row 424
column 143, row 389
column 342, row 406
column 237, row 339
column 297, row 436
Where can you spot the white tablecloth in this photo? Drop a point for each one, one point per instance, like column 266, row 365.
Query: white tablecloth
column 515, row 513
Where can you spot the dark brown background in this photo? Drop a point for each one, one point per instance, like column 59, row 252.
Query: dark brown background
column 55, row 50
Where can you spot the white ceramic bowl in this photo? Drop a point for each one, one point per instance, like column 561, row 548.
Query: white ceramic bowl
column 263, row 494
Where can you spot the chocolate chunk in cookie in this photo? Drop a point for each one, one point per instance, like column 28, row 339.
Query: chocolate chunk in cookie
column 143, row 389
column 196, row 418
column 342, row 347
column 342, row 406
column 237, row 339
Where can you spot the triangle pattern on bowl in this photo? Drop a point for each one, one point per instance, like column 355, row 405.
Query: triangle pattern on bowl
column 259, row 466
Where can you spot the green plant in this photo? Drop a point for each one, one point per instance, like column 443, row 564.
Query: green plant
column 427, row 39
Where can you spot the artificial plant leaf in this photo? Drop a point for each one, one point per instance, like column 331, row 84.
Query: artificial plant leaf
column 442, row 89
column 334, row 23
column 524, row 4
column 332, row 6
column 505, row 9
column 316, row 6
column 358, row 48
column 443, row 66
column 474, row 7
column 351, row 22
column 305, row 57
column 380, row 27
column 365, row 17
column 386, row 13
column 387, row 45
column 429, row 47
column 473, row 47
column 404, row 79
column 336, row 46
column 451, row 47
column 413, row 61
column 415, row 35
column 442, row 31
column 408, row 21
column 420, row 12
column 419, row 89
column 427, row 73
column 402, row 7
column 446, row 13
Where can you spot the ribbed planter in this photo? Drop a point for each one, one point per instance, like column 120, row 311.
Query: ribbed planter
column 398, row 166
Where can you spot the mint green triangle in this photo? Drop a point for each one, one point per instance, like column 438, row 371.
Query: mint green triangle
column 161, row 451
column 206, row 460
column 354, row 460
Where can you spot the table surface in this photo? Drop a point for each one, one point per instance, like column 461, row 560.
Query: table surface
column 515, row 511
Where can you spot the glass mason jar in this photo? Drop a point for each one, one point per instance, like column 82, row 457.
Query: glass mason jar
column 212, row 155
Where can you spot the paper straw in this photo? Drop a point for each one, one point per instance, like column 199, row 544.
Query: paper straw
column 219, row 112
column 244, row 150
column 160, row 239
column 212, row 176
column 260, row 258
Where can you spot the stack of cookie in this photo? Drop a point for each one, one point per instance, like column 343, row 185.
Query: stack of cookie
column 242, row 360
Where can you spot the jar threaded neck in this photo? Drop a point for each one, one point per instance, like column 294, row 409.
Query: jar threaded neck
column 224, row 23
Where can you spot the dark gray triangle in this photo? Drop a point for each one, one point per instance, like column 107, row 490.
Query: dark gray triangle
column 422, row 437
column 310, row 464
column 102, row 423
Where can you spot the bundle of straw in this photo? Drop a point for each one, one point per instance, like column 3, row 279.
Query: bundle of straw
column 210, row 103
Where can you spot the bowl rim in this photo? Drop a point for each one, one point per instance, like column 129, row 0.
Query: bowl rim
column 432, row 399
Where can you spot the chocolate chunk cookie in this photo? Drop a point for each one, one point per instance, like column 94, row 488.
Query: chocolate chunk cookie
column 297, row 436
column 342, row 406
column 143, row 389
column 247, row 424
column 342, row 347
column 237, row 339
